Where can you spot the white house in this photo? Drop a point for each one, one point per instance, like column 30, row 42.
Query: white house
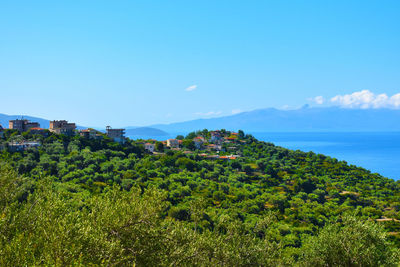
column 149, row 147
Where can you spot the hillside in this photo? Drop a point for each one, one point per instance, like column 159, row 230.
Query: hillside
column 304, row 119
column 220, row 198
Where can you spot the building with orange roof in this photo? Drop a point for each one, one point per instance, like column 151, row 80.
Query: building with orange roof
column 88, row 133
column 173, row 143
column 38, row 130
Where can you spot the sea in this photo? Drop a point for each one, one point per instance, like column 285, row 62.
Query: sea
column 378, row 152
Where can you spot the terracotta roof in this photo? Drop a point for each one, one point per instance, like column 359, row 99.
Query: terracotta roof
column 36, row 128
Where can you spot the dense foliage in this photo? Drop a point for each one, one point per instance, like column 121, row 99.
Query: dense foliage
column 85, row 201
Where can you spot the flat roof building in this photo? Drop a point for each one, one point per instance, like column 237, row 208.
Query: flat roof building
column 88, row 133
column 62, row 127
column 116, row 134
column 22, row 125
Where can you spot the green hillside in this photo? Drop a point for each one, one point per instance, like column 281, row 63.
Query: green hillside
column 231, row 201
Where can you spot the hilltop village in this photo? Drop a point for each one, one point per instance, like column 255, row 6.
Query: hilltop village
column 219, row 144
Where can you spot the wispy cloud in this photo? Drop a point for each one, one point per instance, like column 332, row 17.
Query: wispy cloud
column 364, row 99
column 318, row 100
column 191, row 88
column 210, row 113
column 236, row 111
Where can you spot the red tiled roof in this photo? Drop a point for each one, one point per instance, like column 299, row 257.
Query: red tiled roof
column 37, row 128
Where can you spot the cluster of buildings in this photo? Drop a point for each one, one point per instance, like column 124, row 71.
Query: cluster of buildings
column 212, row 144
column 59, row 127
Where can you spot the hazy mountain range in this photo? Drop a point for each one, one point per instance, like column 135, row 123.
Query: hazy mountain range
column 271, row 120
column 304, row 119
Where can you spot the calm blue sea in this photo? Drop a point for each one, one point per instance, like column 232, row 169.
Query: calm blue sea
column 376, row 151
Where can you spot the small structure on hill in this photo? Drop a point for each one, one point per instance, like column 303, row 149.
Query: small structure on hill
column 88, row 133
column 116, row 134
column 38, row 130
column 21, row 146
column 149, row 147
column 173, row 143
column 22, row 125
column 216, row 136
column 198, row 142
column 62, row 127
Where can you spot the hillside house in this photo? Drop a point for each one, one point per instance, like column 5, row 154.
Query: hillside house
column 116, row 134
column 214, row 147
column 38, row 130
column 88, row 133
column 22, row 125
column 173, row 143
column 198, row 142
column 149, row 147
column 62, row 127
column 215, row 136
column 21, row 146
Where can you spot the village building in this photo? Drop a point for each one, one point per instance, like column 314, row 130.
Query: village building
column 214, row 147
column 116, row 134
column 88, row 133
column 198, row 142
column 215, row 136
column 62, row 127
column 149, row 147
column 21, row 146
column 22, row 125
column 173, row 143
column 38, row 130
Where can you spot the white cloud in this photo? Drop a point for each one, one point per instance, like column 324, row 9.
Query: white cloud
column 236, row 111
column 285, row 107
column 366, row 99
column 210, row 113
column 191, row 88
column 319, row 100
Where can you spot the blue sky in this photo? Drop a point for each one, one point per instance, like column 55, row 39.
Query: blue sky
column 127, row 63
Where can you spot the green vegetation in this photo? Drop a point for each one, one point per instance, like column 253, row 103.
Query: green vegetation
column 78, row 201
